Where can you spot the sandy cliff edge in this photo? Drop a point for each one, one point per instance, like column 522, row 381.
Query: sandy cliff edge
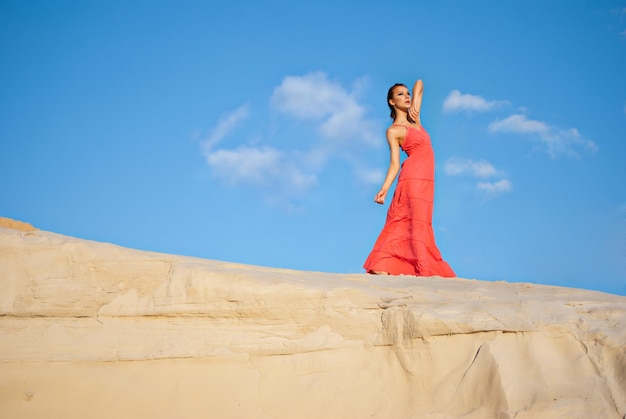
column 91, row 329
column 15, row 224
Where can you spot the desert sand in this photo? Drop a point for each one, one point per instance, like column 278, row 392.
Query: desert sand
column 94, row 330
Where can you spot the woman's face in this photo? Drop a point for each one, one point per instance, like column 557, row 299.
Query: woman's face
column 401, row 98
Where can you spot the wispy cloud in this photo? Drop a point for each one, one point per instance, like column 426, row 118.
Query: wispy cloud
column 521, row 124
column 618, row 11
column 457, row 101
column 554, row 140
column 617, row 21
column 457, row 166
column 494, row 188
column 265, row 166
column 370, row 176
column 260, row 166
column 341, row 126
column 225, row 125
column 315, row 97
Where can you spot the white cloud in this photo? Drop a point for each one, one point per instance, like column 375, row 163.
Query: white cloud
column 244, row 163
column 618, row 11
column 457, row 101
column 519, row 123
column 311, row 96
column 341, row 124
column 456, row 166
column 493, row 188
column 459, row 166
column 555, row 141
column 264, row 166
column 315, row 97
column 341, row 119
column 259, row 166
column 370, row 176
column 225, row 125
column 618, row 23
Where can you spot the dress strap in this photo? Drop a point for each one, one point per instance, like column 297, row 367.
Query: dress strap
column 407, row 127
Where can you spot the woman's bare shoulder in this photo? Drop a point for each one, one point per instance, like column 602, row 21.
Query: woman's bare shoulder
column 396, row 133
column 396, row 129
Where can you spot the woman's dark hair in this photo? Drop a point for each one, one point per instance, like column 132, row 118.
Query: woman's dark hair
column 390, row 96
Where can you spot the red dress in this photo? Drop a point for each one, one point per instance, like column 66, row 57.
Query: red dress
column 407, row 243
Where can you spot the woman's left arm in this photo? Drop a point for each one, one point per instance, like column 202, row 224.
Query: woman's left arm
column 416, row 101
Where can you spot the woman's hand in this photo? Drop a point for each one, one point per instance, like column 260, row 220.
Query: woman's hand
column 414, row 114
column 380, row 196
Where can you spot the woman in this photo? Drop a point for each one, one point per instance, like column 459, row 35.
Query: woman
column 407, row 243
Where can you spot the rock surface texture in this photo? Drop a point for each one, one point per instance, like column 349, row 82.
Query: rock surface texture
column 93, row 330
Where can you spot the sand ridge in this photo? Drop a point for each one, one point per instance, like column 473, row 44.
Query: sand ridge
column 91, row 329
column 15, row 224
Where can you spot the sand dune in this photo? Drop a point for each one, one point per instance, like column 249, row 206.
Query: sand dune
column 94, row 330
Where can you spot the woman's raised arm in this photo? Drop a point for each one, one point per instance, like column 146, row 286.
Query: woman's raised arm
column 416, row 101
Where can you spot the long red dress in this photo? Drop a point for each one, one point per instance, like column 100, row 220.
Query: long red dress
column 406, row 244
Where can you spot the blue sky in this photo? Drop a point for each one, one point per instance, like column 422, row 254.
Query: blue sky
column 253, row 131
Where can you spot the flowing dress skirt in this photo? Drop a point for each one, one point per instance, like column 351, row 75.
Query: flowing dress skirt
column 406, row 244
